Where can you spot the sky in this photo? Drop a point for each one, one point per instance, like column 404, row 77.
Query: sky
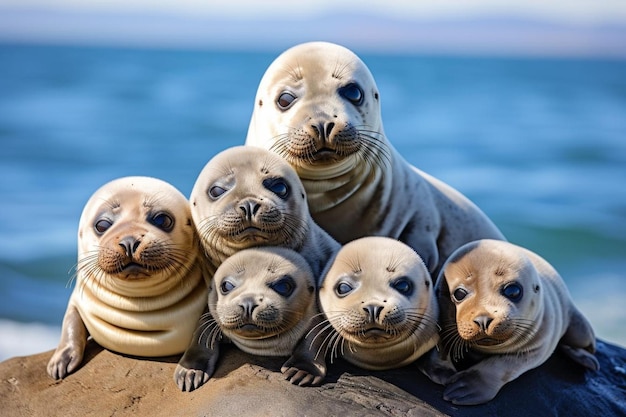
column 556, row 27
column 578, row 11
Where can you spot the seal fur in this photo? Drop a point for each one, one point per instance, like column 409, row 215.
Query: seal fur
column 318, row 107
column 139, row 284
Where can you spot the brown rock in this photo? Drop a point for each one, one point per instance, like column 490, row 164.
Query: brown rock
column 109, row 384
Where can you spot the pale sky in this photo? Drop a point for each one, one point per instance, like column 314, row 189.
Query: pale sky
column 580, row 11
column 536, row 27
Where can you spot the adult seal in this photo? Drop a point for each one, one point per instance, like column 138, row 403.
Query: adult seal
column 503, row 311
column 262, row 302
column 380, row 311
column 248, row 197
column 318, row 107
column 139, row 284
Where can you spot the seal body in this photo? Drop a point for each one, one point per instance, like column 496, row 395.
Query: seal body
column 318, row 107
column 503, row 311
column 139, row 283
column 380, row 311
column 248, row 197
column 263, row 300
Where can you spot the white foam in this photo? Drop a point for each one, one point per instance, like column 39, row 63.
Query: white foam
column 21, row 339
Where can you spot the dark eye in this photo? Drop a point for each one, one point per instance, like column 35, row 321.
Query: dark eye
column 343, row 288
column 459, row 294
column 353, row 93
column 513, row 292
column 216, row 191
column 284, row 286
column 278, row 186
column 285, row 100
column 163, row 221
column 403, row 286
column 102, row 225
column 226, row 287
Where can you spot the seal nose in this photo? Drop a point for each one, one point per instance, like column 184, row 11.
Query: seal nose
column 249, row 208
column 247, row 306
column 373, row 312
column 483, row 322
column 130, row 245
column 324, row 130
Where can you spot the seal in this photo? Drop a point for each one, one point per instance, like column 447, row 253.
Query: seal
column 248, row 197
column 139, row 283
column 318, row 107
column 506, row 310
column 380, row 311
column 263, row 300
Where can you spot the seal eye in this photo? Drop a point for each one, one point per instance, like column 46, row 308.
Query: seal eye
column 403, row 286
column 513, row 292
column 278, row 186
column 102, row 225
column 284, row 286
column 353, row 93
column 216, row 191
column 226, row 287
column 285, row 100
column 459, row 294
column 343, row 288
column 163, row 221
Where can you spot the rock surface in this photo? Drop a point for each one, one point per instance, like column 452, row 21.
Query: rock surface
column 109, row 384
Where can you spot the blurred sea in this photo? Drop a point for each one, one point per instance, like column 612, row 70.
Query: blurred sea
column 538, row 144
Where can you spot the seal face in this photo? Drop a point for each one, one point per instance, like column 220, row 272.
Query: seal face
column 509, row 307
column 379, row 300
column 247, row 197
column 318, row 107
column 139, row 279
column 263, row 300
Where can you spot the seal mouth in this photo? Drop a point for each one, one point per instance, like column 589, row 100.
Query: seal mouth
column 252, row 331
column 487, row 341
column 133, row 270
column 374, row 334
column 252, row 233
column 326, row 156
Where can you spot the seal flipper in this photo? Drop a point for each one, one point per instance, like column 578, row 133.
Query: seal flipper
column 306, row 365
column 198, row 362
column 579, row 341
column 69, row 354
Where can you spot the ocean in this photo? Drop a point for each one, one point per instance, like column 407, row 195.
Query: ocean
column 538, row 143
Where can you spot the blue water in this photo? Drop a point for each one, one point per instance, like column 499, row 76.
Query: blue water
column 538, row 144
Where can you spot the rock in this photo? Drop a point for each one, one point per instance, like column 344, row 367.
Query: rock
column 110, row 384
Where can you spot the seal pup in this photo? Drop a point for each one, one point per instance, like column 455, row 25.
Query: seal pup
column 262, row 302
column 380, row 311
column 505, row 310
column 247, row 197
column 139, row 284
column 318, row 107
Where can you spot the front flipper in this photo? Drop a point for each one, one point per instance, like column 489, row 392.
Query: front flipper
column 581, row 356
column 198, row 362
column 436, row 368
column 69, row 354
column 307, row 365
column 471, row 387
column 579, row 341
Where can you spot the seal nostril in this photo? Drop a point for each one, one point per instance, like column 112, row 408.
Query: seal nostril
column 483, row 322
column 329, row 129
column 130, row 245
